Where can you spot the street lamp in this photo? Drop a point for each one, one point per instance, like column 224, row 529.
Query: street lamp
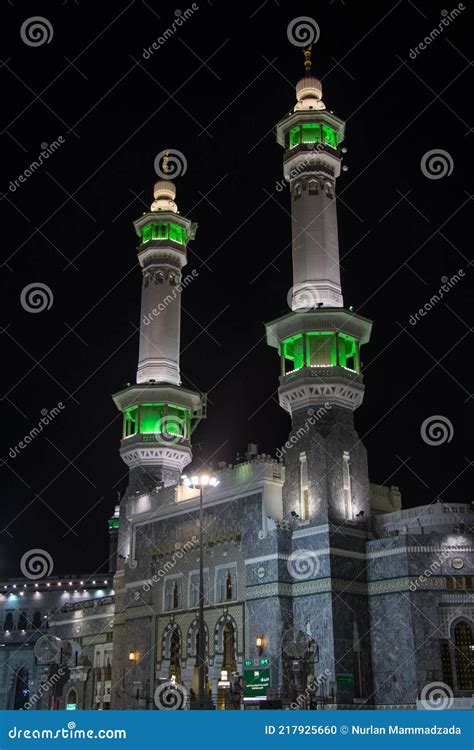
column 199, row 481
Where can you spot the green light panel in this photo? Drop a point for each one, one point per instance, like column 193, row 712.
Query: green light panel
column 313, row 133
column 322, row 349
column 163, row 232
column 156, row 418
column 348, row 352
column 293, row 351
column 130, row 425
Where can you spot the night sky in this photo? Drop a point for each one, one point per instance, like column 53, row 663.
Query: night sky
column 215, row 91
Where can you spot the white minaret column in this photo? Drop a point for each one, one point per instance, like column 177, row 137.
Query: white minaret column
column 318, row 340
column 312, row 172
column 159, row 413
column 162, row 255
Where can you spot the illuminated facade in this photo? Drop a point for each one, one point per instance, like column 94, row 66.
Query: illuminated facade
column 309, row 569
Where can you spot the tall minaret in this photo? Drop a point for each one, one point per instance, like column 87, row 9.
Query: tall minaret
column 319, row 340
column 159, row 414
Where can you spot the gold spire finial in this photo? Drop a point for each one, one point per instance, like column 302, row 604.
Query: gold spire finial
column 307, row 58
column 165, row 162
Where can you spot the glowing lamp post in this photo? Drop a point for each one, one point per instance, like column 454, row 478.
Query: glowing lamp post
column 199, row 481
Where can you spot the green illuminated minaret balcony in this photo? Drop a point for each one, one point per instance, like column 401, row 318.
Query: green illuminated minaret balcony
column 319, row 349
column 155, row 421
column 313, row 132
column 163, row 231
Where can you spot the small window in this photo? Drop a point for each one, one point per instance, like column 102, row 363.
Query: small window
column 347, row 486
column 8, row 624
column 37, row 620
column 304, row 488
column 297, row 192
column 226, row 585
column 23, row 622
column 194, row 589
column 173, row 593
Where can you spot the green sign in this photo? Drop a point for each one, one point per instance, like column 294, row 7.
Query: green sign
column 258, row 682
column 248, row 662
column 344, row 679
column 70, row 706
column 263, row 662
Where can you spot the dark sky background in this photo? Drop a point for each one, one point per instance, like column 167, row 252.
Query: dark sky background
column 214, row 91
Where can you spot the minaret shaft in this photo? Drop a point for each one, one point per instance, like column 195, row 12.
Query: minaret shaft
column 159, row 413
column 319, row 340
column 316, row 275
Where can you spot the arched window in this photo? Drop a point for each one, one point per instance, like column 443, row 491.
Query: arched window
column 446, row 664
column 22, row 622
column 71, row 700
column 347, row 486
column 37, row 620
column 8, row 624
column 228, row 587
column 175, row 647
column 464, row 656
column 22, row 691
column 304, row 488
column 175, row 596
column 228, row 639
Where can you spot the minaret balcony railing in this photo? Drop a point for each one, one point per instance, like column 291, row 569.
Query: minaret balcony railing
column 161, row 438
column 321, row 372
